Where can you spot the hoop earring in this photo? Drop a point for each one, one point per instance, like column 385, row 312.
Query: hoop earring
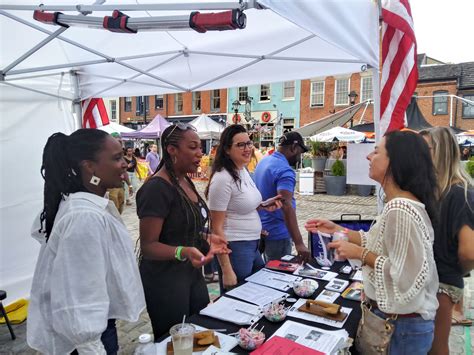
column 95, row 180
column 175, row 159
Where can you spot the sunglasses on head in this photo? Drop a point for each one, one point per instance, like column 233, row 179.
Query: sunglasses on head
column 181, row 127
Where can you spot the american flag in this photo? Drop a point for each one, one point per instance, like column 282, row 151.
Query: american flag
column 94, row 113
column 399, row 67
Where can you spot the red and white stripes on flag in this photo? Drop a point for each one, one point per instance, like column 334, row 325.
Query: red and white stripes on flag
column 94, row 113
column 399, row 67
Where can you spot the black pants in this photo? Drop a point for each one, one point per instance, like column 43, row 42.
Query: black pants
column 172, row 289
column 108, row 338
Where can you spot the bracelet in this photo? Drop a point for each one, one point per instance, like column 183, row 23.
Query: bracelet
column 365, row 252
column 177, row 253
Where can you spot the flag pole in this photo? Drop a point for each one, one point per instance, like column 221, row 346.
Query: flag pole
column 376, row 88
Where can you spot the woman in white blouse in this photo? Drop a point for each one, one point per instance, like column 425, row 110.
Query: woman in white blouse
column 86, row 275
column 233, row 201
column 399, row 270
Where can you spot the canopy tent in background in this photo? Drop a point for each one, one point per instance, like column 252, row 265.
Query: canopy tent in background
column 113, row 127
column 340, row 134
column 207, row 128
column 283, row 40
column 335, row 120
column 152, row 131
column 465, row 138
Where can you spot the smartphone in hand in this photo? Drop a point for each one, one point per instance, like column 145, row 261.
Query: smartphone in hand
column 271, row 201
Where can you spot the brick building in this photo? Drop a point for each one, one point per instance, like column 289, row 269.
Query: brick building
column 139, row 110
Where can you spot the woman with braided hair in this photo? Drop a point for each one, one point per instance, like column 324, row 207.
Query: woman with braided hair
column 174, row 246
column 86, row 275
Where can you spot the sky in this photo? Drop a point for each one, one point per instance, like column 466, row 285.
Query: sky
column 444, row 29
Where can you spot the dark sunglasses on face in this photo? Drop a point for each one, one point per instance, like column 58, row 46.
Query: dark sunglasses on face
column 242, row 145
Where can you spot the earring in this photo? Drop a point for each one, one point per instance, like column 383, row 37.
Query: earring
column 175, row 159
column 95, row 180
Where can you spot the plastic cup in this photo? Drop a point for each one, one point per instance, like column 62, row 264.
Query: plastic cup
column 182, row 336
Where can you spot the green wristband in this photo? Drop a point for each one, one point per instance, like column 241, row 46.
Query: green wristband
column 177, row 253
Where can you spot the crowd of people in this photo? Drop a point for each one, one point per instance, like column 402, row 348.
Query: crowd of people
column 414, row 256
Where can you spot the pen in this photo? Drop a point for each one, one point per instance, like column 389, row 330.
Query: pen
column 282, row 280
column 239, row 310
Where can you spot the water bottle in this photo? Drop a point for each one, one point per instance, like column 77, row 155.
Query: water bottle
column 145, row 345
column 341, row 235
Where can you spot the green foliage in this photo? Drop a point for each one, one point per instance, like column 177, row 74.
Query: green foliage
column 320, row 149
column 470, row 167
column 338, row 168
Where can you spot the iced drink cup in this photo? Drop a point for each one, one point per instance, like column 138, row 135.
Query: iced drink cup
column 183, row 338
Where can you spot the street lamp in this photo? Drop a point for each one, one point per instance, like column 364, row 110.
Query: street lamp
column 352, row 99
column 235, row 107
column 248, row 110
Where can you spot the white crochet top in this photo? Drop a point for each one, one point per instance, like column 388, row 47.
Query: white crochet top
column 404, row 279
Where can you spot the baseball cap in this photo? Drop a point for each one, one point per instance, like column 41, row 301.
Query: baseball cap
column 290, row 138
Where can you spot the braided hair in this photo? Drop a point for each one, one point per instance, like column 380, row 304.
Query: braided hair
column 222, row 159
column 171, row 136
column 61, row 171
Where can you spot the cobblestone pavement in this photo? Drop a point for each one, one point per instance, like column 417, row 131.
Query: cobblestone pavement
column 320, row 205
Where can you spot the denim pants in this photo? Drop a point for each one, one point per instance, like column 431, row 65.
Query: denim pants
column 275, row 249
column 245, row 259
column 412, row 336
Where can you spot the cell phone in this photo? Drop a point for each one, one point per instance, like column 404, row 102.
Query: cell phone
column 271, row 201
column 346, row 269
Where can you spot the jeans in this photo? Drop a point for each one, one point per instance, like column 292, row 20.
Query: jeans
column 245, row 259
column 275, row 249
column 412, row 336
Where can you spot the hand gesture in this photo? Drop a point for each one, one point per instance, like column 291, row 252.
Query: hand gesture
column 323, row 225
column 273, row 207
column 196, row 257
column 218, row 244
column 346, row 250
column 303, row 252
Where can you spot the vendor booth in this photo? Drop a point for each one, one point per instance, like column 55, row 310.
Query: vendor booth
column 47, row 73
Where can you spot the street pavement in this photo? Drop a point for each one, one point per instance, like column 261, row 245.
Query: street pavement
column 319, row 205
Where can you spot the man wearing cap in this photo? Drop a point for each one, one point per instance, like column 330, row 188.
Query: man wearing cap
column 275, row 176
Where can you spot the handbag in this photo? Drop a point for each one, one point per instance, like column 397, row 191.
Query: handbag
column 374, row 333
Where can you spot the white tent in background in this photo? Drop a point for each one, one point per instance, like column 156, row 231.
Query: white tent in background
column 339, row 133
column 207, row 128
column 46, row 74
column 113, row 127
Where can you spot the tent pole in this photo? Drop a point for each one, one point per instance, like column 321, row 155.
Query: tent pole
column 37, row 91
column 77, row 100
column 451, row 111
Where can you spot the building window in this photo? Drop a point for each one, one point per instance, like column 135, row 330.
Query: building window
column 288, row 90
column 440, row 103
column 366, row 89
column 215, row 100
column 341, row 92
column 317, row 93
column 267, row 136
column 243, row 93
column 128, row 104
column 178, row 103
column 142, row 105
column 197, row 101
column 288, row 124
column 113, row 110
column 265, row 92
column 467, row 108
column 158, row 102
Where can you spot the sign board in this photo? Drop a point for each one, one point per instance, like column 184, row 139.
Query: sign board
column 357, row 163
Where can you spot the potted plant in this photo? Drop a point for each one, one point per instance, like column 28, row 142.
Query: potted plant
column 319, row 153
column 336, row 183
column 364, row 190
column 470, row 167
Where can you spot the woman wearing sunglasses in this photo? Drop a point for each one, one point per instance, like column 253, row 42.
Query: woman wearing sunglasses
column 173, row 246
column 233, row 201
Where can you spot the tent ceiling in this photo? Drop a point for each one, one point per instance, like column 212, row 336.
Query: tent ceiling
column 289, row 40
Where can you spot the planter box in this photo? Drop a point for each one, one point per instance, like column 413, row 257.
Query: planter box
column 318, row 163
column 364, row 190
column 335, row 185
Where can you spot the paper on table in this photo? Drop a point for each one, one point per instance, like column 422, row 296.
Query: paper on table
column 310, row 271
column 226, row 342
column 274, row 279
column 327, row 341
column 256, row 294
column 357, row 276
column 328, row 296
column 280, row 345
column 212, row 350
column 234, row 311
column 314, row 318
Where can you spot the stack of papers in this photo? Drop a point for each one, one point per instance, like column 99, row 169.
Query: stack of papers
column 234, row 311
column 273, row 279
column 326, row 341
column 257, row 294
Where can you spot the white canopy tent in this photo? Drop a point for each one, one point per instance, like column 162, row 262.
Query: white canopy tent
column 46, row 74
column 113, row 127
column 206, row 127
column 339, row 133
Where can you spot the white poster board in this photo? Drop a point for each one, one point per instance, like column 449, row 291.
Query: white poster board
column 357, row 163
column 306, row 183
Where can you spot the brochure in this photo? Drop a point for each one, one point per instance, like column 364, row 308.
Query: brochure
column 325, row 341
column 328, row 296
column 257, row 294
column 234, row 311
column 323, row 255
column 279, row 345
column 308, row 270
column 274, row 279
column 354, row 291
column 282, row 266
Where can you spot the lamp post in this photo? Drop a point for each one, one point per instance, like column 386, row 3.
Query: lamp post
column 352, row 100
column 248, row 110
column 235, row 107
